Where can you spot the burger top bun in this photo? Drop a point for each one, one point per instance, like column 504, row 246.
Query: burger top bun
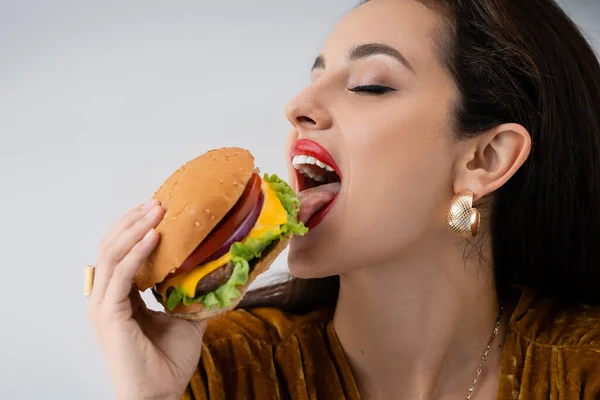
column 196, row 197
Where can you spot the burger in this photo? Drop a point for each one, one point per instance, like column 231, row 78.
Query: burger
column 223, row 226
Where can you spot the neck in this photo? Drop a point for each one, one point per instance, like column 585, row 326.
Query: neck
column 417, row 329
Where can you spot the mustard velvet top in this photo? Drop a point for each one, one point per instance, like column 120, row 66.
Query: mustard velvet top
column 265, row 354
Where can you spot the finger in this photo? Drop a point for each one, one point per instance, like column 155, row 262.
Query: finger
column 123, row 244
column 119, row 287
column 123, row 223
column 137, row 303
column 200, row 326
column 119, row 249
column 127, row 221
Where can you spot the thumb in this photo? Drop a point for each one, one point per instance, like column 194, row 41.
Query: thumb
column 200, row 327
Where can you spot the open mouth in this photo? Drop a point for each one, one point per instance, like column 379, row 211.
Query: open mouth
column 319, row 180
column 313, row 172
column 314, row 165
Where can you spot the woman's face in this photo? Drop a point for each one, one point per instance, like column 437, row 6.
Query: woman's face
column 391, row 140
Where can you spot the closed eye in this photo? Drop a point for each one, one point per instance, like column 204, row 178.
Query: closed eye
column 372, row 89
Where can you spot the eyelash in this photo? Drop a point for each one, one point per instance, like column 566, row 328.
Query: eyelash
column 376, row 90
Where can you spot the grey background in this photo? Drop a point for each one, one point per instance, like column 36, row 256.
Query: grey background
column 99, row 103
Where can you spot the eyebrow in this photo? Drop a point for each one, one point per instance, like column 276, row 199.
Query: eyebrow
column 368, row 50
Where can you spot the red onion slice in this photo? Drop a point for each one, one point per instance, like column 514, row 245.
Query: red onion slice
column 241, row 231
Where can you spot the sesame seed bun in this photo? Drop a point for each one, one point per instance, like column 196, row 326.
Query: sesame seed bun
column 196, row 197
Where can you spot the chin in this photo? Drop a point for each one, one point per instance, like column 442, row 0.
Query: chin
column 312, row 258
column 308, row 260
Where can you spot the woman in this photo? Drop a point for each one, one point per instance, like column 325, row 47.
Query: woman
column 422, row 104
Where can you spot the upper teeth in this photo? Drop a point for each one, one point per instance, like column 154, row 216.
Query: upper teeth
column 300, row 161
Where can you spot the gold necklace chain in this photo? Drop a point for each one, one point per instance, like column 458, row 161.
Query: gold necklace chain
column 486, row 352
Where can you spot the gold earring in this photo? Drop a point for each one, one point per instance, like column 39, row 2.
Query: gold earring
column 462, row 219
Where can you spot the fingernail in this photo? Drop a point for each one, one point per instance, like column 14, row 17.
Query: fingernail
column 153, row 212
column 150, row 204
column 148, row 236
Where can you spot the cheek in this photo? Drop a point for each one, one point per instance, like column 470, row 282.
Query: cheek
column 397, row 172
column 400, row 154
column 396, row 208
column 389, row 205
column 400, row 144
column 400, row 172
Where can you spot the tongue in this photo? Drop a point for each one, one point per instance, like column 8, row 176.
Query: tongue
column 314, row 199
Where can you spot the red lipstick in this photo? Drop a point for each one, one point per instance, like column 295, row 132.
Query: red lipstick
column 314, row 149
column 305, row 147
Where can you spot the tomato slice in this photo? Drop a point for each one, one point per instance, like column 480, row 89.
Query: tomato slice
column 225, row 228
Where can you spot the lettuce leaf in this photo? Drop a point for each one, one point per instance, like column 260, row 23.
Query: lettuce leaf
column 291, row 204
column 242, row 253
column 176, row 297
column 223, row 295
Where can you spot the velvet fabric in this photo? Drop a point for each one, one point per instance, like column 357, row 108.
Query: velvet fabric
column 264, row 353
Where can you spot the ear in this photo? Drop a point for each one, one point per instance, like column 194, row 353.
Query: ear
column 488, row 161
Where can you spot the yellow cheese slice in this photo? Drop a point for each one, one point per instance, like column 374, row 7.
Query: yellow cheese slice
column 271, row 217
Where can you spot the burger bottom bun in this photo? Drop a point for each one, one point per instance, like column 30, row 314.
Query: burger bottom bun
column 198, row 312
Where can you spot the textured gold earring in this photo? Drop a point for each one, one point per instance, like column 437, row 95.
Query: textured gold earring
column 462, row 219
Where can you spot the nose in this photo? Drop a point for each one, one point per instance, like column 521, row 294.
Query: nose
column 308, row 111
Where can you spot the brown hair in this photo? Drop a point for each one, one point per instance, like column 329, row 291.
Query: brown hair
column 524, row 62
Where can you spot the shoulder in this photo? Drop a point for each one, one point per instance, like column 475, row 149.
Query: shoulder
column 548, row 323
column 266, row 353
column 266, row 325
column 551, row 351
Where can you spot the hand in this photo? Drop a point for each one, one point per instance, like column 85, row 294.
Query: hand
column 150, row 354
